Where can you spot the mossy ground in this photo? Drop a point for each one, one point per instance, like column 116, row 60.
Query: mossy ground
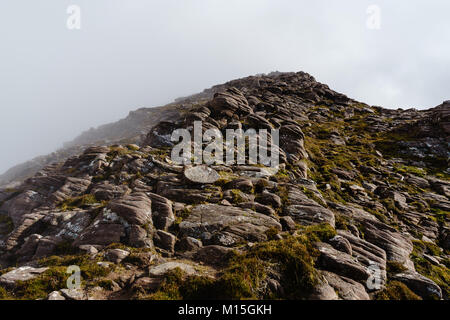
column 55, row 278
column 289, row 260
column 440, row 274
column 78, row 202
column 6, row 225
column 246, row 275
column 396, row 290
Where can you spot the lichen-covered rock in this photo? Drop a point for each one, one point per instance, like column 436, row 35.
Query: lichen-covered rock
column 180, row 193
column 230, row 103
column 420, row 285
column 223, row 225
column 201, row 174
column 55, row 295
column 307, row 211
column 24, row 273
column 341, row 244
column 189, row 244
column 160, row 135
column 135, row 208
column 346, row 288
column 323, row 291
column 165, row 240
column 72, row 187
column 22, row 204
column 269, row 199
column 74, row 294
column 162, row 269
column 243, row 184
column 101, row 233
column 139, row 237
column 116, row 255
column 260, row 208
column 106, row 191
column 162, row 212
column 341, row 263
column 397, row 246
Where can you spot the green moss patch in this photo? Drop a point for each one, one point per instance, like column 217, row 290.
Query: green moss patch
column 78, row 202
column 246, row 273
column 396, row 290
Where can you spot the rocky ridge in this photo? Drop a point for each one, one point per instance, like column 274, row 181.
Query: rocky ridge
column 358, row 210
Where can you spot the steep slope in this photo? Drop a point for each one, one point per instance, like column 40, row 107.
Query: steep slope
column 127, row 130
column 359, row 208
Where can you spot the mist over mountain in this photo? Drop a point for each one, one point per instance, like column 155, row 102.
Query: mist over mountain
column 56, row 83
column 262, row 150
column 356, row 207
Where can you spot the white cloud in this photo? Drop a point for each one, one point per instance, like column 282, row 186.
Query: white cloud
column 55, row 83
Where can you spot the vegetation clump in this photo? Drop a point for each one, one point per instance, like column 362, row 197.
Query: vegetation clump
column 78, row 202
column 237, row 196
column 246, row 273
column 440, row 274
column 7, row 225
column 393, row 267
column 396, row 290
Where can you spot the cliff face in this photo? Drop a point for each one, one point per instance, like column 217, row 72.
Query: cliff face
column 358, row 209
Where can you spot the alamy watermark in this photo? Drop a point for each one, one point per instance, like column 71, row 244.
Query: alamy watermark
column 228, row 150
column 74, row 19
column 374, row 281
column 373, row 21
column 74, row 280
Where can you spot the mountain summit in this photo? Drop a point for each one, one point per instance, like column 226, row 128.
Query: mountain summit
column 357, row 209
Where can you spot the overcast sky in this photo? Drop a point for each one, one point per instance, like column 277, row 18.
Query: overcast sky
column 56, row 83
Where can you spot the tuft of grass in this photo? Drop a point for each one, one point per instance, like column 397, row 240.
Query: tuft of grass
column 440, row 274
column 78, row 202
column 53, row 279
column 4, row 295
column 170, row 288
column 105, row 284
column 426, row 247
column 117, row 151
column 313, row 196
column 320, row 232
column 440, row 215
column 342, row 222
column 237, row 196
column 272, row 233
column 396, row 290
column 88, row 267
column 393, row 267
column 282, row 175
column 402, row 169
column 7, row 223
column 246, row 274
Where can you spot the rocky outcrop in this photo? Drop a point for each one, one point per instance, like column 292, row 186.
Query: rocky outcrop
column 135, row 208
column 421, row 285
column 346, row 288
column 226, row 226
column 358, row 204
column 201, row 174
column 305, row 210
column 20, row 274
